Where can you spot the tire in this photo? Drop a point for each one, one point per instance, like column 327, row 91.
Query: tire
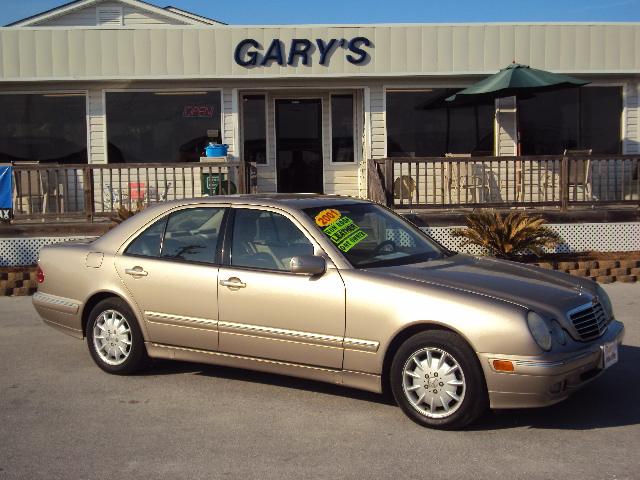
column 442, row 369
column 121, row 351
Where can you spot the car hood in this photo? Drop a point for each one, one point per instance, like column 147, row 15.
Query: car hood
column 530, row 287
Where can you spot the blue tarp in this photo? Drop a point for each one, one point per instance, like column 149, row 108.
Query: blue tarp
column 6, row 187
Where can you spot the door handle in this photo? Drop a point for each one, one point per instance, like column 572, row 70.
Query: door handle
column 233, row 282
column 136, row 272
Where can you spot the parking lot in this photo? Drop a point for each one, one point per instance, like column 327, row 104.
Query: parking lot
column 62, row 417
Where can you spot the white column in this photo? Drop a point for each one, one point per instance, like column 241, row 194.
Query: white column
column 631, row 118
column 506, row 128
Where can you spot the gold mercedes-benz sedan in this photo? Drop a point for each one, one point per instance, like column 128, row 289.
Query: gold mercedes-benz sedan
column 332, row 289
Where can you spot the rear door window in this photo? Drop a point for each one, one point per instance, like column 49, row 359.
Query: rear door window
column 192, row 235
column 148, row 242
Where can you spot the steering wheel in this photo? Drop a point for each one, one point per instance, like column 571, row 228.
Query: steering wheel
column 382, row 245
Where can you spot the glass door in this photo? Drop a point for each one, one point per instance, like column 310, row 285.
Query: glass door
column 299, row 145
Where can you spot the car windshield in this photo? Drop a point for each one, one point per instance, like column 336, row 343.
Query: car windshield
column 371, row 236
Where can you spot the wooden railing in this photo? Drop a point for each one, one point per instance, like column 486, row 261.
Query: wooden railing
column 45, row 191
column 527, row 181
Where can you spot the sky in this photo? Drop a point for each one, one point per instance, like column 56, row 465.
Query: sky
column 266, row 12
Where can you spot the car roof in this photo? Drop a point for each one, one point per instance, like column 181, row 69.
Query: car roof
column 295, row 201
column 290, row 201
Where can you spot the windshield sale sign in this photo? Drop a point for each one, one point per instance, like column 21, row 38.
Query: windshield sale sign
column 6, row 189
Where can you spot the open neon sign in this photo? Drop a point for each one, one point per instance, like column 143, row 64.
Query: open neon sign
column 198, row 111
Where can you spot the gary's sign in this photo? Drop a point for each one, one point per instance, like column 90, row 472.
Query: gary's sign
column 250, row 53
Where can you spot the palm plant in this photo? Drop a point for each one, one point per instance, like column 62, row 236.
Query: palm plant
column 123, row 213
column 507, row 236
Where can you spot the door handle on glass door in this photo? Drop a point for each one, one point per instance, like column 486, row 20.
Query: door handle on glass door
column 233, row 282
column 136, row 272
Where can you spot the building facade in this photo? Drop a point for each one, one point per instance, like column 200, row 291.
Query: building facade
column 127, row 82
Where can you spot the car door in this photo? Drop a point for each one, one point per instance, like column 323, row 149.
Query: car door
column 171, row 271
column 265, row 310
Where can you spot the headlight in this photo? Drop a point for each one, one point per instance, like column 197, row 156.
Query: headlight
column 539, row 330
column 557, row 332
column 605, row 301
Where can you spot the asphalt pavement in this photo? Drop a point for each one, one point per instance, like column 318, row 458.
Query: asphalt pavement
column 62, row 417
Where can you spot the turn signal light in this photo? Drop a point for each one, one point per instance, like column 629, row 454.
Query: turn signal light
column 39, row 275
column 503, row 366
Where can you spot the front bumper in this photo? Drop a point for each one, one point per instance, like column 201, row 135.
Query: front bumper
column 545, row 380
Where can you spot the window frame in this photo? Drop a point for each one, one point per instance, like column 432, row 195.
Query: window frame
column 622, row 119
column 74, row 91
column 408, row 88
column 227, row 246
column 105, row 140
column 217, row 261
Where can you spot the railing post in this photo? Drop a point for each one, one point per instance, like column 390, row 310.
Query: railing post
column 388, row 181
column 564, row 183
column 242, row 177
column 89, row 209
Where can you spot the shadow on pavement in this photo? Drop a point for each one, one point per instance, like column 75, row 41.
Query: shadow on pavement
column 610, row 401
column 168, row 367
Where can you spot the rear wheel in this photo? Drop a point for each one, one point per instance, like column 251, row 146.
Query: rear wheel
column 437, row 381
column 114, row 338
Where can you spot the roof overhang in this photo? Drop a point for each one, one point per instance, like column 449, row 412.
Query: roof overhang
column 171, row 13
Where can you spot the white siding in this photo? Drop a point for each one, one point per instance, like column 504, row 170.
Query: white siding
column 84, row 17
column 506, row 133
column 137, row 17
column 378, row 122
column 87, row 17
column 445, row 50
column 631, row 121
column 97, row 128
column 229, row 121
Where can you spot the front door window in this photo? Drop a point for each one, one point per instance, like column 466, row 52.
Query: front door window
column 299, row 145
column 266, row 240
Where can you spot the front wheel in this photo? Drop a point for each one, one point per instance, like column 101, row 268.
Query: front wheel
column 437, row 381
column 114, row 338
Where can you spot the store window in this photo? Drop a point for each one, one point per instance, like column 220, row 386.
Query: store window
column 31, row 128
column 342, row 144
column 577, row 118
column 254, row 131
column 147, row 127
column 422, row 124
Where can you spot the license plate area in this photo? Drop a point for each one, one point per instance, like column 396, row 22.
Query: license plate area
column 609, row 354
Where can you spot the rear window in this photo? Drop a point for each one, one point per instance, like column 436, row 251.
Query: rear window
column 192, row 235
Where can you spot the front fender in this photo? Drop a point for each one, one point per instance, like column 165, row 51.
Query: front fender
column 380, row 308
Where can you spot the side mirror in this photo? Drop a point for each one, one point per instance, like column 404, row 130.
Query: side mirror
column 308, row 265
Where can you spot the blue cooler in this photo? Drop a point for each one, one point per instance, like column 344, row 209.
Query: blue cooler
column 216, row 150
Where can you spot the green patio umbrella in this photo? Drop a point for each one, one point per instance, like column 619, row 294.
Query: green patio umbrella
column 515, row 80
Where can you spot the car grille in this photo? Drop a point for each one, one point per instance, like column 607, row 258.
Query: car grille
column 590, row 321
